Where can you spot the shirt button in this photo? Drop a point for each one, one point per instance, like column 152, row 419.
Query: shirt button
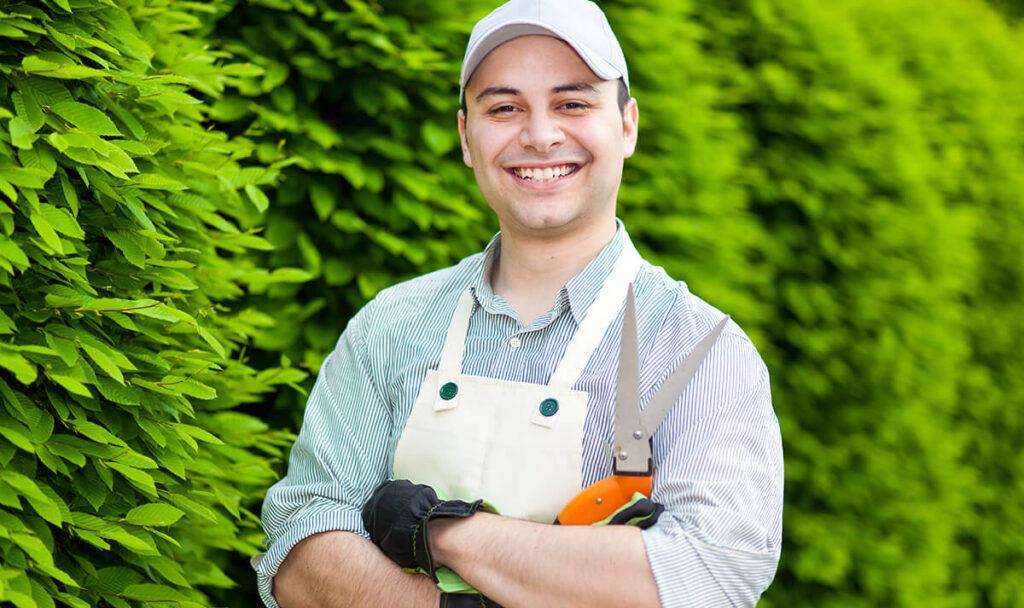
column 514, row 342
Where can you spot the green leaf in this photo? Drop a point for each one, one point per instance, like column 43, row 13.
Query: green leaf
column 140, row 479
column 440, row 140
column 212, row 341
column 64, row 348
column 128, row 246
column 257, row 196
column 45, row 230
column 71, row 600
column 290, row 275
column 95, row 432
column 33, row 547
column 104, row 362
column 17, row 437
column 85, row 117
column 323, row 200
column 154, row 514
column 149, row 592
column 189, row 386
column 155, row 181
column 21, row 367
column 22, row 133
column 42, row 503
column 114, row 579
column 70, row 194
column 7, row 325
column 198, row 433
column 169, row 569
column 61, row 221
column 13, row 253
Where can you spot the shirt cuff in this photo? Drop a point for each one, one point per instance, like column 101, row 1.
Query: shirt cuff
column 341, row 518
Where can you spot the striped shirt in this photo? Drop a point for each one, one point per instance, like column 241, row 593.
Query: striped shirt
column 718, row 454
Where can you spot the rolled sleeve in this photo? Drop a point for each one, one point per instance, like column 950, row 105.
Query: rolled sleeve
column 721, row 481
column 340, row 456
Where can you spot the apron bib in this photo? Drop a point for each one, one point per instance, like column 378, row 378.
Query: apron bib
column 517, row 445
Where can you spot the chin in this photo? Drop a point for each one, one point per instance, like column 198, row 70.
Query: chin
column 546, row 221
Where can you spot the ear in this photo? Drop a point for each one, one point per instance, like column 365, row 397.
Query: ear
column 630, row 124
column 466, row 158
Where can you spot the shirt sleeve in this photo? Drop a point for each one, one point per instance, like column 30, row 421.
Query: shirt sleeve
column 339, row 458
column 720, row 478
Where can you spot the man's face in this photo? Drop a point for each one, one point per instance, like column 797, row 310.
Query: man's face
column 545, row 137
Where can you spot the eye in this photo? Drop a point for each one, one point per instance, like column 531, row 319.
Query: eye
column 503, row 109
column 575, row 105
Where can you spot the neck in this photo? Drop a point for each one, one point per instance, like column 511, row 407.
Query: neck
column 531, row 270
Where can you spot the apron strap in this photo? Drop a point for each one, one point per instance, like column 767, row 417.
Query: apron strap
column 449, row 371
column 599, row 317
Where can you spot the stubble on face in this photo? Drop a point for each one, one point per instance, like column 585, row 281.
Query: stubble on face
column 545, row 138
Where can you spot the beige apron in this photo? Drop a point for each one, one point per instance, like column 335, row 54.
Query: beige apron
column 515, row 444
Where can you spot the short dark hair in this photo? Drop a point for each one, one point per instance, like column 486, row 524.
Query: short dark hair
column 623, row 98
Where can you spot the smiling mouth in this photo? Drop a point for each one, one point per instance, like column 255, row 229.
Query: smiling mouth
column 544, row 174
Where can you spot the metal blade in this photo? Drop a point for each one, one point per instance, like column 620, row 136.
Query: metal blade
column 672, row 389
column 632, row 452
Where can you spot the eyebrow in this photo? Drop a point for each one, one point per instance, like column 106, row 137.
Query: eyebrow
column 580, row 87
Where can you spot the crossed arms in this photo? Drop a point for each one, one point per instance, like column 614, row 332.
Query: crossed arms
column 719, row 476
column 516, row 563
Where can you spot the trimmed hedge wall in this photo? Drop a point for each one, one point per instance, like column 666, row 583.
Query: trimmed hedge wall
column 127, row 473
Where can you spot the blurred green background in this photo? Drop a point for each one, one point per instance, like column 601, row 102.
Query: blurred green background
column 845, row 178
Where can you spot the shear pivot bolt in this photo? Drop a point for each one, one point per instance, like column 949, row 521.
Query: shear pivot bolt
column 638, row 434
column 623, row 454
column 600, row 501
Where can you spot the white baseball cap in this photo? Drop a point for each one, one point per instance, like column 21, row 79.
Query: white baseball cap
column 580, row 23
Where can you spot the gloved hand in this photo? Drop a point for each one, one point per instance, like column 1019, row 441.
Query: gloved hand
column 641, row 513
column 396, row 517
column 467, row 600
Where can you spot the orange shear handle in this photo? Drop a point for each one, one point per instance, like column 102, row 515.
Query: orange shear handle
column 599, row 500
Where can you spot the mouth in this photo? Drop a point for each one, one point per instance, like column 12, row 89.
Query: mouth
column 544, row 175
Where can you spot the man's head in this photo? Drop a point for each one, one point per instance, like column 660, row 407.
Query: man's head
column 547, row 119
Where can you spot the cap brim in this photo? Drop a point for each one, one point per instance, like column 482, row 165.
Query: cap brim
column 515, row 29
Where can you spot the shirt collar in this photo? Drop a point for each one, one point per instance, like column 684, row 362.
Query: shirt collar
column 580, row 291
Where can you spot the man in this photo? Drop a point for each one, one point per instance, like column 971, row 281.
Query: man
column 495, row 379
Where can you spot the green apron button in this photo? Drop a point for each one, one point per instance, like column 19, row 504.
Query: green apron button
column 549, row 407
column 449, row 390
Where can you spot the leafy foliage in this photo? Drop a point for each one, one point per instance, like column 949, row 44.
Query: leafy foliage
column 362, row 96
column 126, row 472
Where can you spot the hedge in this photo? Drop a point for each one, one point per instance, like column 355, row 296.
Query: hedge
column 361, row 95
column 127, row 472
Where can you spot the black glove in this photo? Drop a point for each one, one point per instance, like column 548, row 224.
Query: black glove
column 467, row 600
column 396, row 516
column 643, row 514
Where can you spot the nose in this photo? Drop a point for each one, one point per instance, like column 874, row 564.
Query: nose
column 541, row 132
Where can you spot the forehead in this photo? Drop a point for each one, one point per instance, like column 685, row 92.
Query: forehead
column 529, row 60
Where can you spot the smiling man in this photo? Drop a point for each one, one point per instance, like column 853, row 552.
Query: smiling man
column 495, row 380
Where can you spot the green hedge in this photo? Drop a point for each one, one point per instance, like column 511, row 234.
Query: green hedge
column 127, row 472
column 362, row 97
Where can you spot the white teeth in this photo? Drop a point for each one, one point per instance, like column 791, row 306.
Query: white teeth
column 543, row 175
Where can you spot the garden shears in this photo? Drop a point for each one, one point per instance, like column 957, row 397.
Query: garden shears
column 632, row 465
